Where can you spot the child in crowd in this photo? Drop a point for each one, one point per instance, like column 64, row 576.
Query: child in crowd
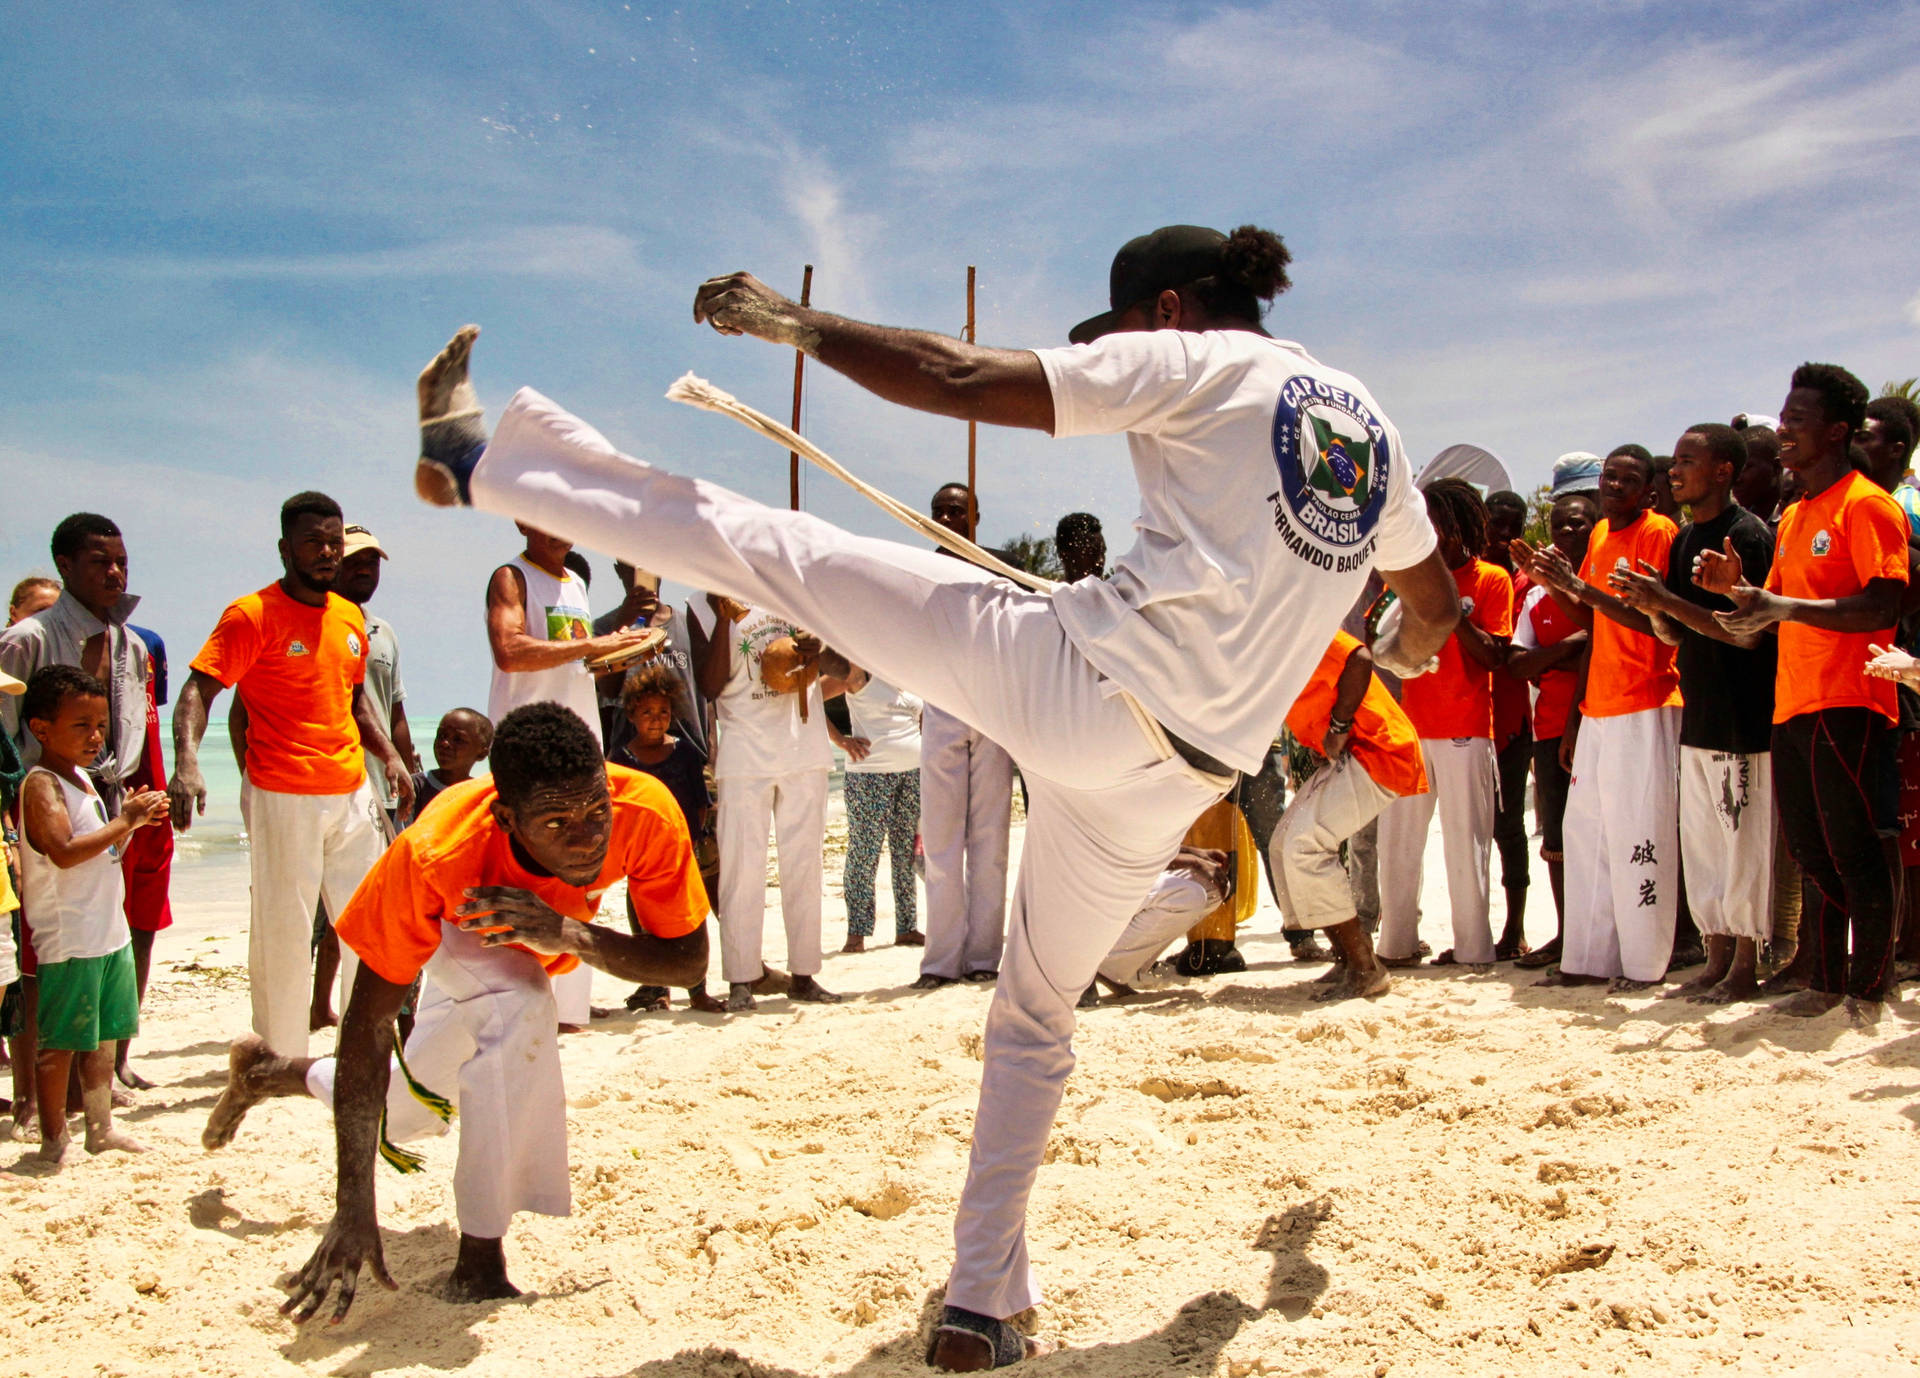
column 11, row 1016
column 70, row 862
column 649, row 700
column 883, row 796
column 460, row 743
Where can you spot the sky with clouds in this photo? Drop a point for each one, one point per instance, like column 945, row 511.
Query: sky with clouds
column 230, row 236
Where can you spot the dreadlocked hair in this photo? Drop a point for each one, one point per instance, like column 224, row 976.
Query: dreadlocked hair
column 1253, row 271
column 1458, row 510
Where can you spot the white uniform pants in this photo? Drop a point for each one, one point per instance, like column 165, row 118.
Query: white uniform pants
column 966, row 813
column 1106, row 809
column 573, row 997
column 1622, row 834
column 796, row 805
column 301, row 848
column 1726, row 841
column 1463, row 785
column 1310, row 882
column 1178, row 901
column 485, row 1038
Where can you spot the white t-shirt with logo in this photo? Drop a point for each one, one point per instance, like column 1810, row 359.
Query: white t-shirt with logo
column 760, row 731
column 556, row 611
column 1270, row 485
column 889, row 719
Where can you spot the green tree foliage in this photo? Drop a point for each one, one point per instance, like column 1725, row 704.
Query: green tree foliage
column 1908, row 388
column 1539, row 504
column 1034, row 554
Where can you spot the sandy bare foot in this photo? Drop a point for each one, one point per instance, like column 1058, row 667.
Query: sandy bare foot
column 53, row 1152
column 704, row 1003
column 121, row 1098
column 1626, row 985
column 451, row 431
column 131, row 1079
column 25, row 1129
column 740, row 996
column 1808, row 1004
column 1544, row 955
column 812, row 992
column 113, row 1139
column 1558, row 977
column 1698, row 986
column 1356, row 985
column 241, row 1095
column 1864, row 1014
column 967, row 1342
column 773, row 981
column 480, row 1273
column 1730, row 991
column 913, row 937
column 1333, row 975
column 854, row 944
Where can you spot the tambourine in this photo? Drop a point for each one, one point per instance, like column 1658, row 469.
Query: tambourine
column 655, row 638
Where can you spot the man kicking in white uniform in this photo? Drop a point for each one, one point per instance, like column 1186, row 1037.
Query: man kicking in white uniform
column 1270, row 483
column 491, row 893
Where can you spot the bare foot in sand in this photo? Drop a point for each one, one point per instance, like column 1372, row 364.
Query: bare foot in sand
column 807, row 989
column 451, row 432
column 1626, row 985
column 854, row 944
column 1356, row 984
column 1734, row 989
column 1863, row 1013
column 773, row 981
column 1560, row 977
column 123, row 1073
column 54, row 1151
column 699, row 1001
column 113, row 1139
column 1808, row 1004
column 254, row 1073
column 481, row 1272
column 740, row 997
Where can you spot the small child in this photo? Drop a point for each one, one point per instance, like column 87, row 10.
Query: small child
column 648, row 699
column 70, row 864
column 460, row 743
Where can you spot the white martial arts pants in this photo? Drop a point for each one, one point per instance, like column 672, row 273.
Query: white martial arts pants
column 1179, row 900
column 573, row 997
column 1463, row 783
column 485, row 1038
column 1726, row 841
column 1311, row 883
column 302, row 848
column 1107, row 808
column 966, row 814
column 1622, row 833
column 796, row 805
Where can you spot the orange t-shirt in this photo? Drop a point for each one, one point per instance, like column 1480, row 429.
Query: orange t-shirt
column 295, row 668
column 393, row 920
column 1628, row 671
column 1383, row 740
column 1830, row 546
column 1456, row 700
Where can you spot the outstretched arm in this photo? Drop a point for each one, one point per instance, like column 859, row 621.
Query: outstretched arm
column 352, row 1240
column 915, row 368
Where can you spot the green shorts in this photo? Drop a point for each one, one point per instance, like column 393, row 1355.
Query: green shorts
column 88, row 1001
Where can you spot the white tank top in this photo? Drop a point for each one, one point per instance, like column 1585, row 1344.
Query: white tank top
column 74, row 912
column 556, row 611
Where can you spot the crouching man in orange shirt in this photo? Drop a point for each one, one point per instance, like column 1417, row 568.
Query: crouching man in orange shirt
column 491, row 894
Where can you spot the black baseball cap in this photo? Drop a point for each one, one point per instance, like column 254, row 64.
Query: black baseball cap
column 1171, row 256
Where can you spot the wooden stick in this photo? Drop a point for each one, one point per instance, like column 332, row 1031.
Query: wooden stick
column 799, row 368
column 698, row 392
column 973, row 433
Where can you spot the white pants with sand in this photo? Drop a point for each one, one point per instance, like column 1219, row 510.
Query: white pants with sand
column 796, row 805
column 1622, row 833
column 1178, row 901
column 966, row 816
column 1107, row 807
column 1464, row 786
column 1311, row 883
column 301, row 848
column 484, row 1037
column 1726, row 841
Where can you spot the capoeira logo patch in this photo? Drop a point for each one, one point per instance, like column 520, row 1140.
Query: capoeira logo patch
column 1822, row 542
column 1331, row 451
column 353, row 645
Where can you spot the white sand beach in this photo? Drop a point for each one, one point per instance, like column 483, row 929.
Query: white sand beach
column 1468, row 1176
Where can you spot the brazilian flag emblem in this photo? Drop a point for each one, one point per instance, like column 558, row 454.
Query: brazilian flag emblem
column 1343, row 467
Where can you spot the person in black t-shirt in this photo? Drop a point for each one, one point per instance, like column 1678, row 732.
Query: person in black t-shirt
column 1726, row 722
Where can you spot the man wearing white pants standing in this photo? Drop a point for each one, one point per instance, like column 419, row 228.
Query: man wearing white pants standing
column 771, row 766
column 966, row 817
column 296, row 654
column 1129, row 704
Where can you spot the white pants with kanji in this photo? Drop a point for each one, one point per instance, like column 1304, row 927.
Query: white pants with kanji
column 485, row 1038
column 1107, row 807
column 966, row 812
column 796, row 805
column 1622, row 833
column 1464, row 786
column 1726, row 841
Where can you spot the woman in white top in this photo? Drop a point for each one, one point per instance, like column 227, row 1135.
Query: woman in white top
column 883, row 796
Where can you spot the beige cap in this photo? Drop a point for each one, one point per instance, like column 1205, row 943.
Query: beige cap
column 10, row 685
column 359, row 539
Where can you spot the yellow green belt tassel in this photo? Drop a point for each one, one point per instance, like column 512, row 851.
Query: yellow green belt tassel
column 398, row 1158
